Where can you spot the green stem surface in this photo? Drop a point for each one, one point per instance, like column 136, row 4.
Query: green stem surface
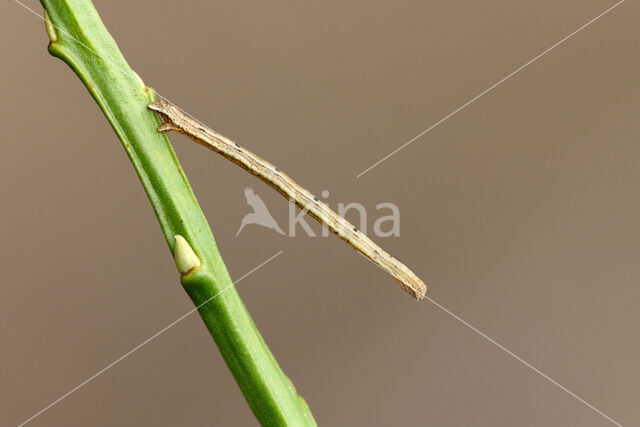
column 80, row 39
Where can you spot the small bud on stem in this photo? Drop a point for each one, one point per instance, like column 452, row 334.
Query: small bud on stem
column 186, row 259
column 50, row 28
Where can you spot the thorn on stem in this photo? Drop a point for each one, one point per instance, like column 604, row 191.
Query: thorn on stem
column 186, row 259
column 50, row 28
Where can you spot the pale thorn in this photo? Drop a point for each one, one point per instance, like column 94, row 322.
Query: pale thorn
column 50, row 28
column 186, row 259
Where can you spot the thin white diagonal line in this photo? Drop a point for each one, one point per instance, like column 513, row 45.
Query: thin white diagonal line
column 362, row 173
column 136, row 348
column 498, row 83
column 524, row 362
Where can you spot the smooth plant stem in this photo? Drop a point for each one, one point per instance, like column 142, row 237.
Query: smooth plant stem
column 80, row 39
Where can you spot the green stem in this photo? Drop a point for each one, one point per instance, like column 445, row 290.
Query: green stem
column 79, row 38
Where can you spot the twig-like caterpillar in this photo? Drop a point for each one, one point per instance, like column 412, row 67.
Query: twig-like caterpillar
column 174, row 119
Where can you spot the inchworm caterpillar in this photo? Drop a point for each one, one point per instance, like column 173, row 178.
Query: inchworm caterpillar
column 174, row 119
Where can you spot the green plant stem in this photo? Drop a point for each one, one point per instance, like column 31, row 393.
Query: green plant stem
column 80, row 39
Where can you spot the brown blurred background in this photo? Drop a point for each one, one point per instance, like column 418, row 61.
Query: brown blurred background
column 521, row 212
